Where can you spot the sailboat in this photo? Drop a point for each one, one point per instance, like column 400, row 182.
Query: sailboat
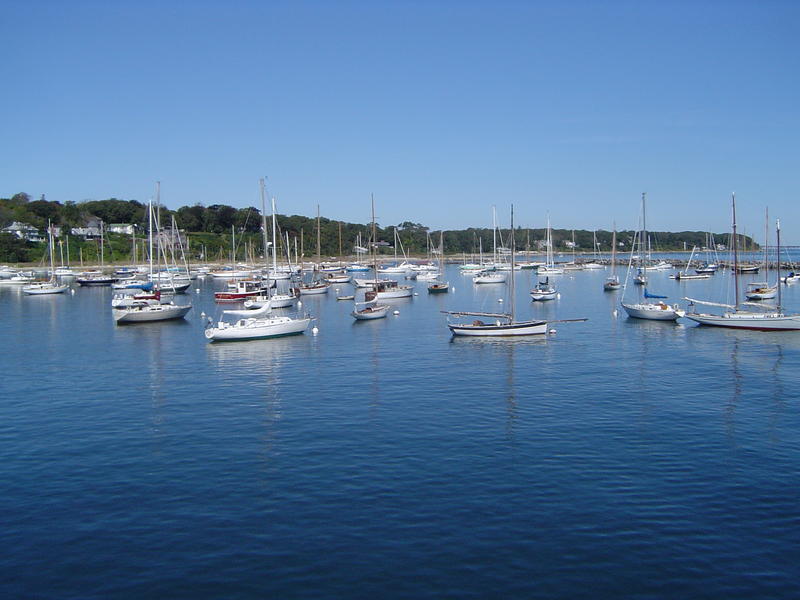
column 288, row 298
column 573, row 264
column 439, row 285
column 710, row 265
column 595, row 262
column 685, row 274
column 490, row 274
column 46, row 287
column 256, row 324
column 370, row 309
column 316, row 286
column 97, row 278
column 549, row 268
column 762, row 290
column 612, row 281
column 656, row 311
column 403, row 268
column 505, row 324
column 544, row 290
column 148, row 310
column 770, row 318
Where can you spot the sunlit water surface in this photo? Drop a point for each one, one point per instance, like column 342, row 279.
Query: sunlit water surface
column 383, row 459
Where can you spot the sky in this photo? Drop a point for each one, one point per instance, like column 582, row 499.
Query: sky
column 441, row 109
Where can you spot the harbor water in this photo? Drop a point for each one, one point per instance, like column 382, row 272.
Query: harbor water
column 385, row 459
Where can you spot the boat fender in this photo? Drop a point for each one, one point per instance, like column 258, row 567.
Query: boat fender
column 395, row 313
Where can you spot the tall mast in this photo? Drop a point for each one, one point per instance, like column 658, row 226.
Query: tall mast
column 52, row 260
column 735, row 254
column 319, row 255
column 150, row 235
column 340, row 240
column 644, row 238
column 374, row 240
column 513, row 243
column 778, row 233
column 264, row 222
column 275, row 242
column 766, row 246
column 494, row 235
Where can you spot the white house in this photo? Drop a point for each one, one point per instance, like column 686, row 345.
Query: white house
column 126, row 228
column 24, row 231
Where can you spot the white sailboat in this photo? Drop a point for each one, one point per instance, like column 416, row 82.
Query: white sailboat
column 549, row 268
column 254, row 325
column 645, row 308
column 595, row 262
column 46, row 287
column 505, row 324
column 544, row 290
column 439, row 285
column 762, row 290
column 686, row 275
column 768, row 318
column 370, row 309
column 141, row 311
column 612, row 281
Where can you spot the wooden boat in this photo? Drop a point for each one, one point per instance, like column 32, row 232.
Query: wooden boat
column 505, row 324
column 644, row 308
column 768, row 318
column 314, row 287
column 369, row 311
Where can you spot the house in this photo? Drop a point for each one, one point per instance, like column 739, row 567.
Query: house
column 24, row 231
column 126, row 228
column 90, row 230
column 172, row 238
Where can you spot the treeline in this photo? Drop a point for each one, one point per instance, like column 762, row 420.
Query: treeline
column 209, row 232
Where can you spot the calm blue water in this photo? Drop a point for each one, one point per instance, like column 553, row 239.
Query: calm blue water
column 382, row 459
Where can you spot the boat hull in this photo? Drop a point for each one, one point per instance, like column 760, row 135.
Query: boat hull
column 479, row 329
column 541, row 296
column 493, row 278
column 150, row 313
column 44, row 290
column 257, row 329
column 653, row 312
column 752, row 321
column 369, row 314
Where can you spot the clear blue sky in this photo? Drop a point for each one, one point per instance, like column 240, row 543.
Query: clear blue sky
column 441, row 109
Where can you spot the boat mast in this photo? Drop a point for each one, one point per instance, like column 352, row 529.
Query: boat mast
column 264, row 223
column 766, row 246
column 614, row 251
column 494, row 236
column 735, row 254
column 643, row 240
column 150, row 235
column 319, row 255
column 52, row 260
column 275, row 242
column 513, row 243
column 374, row 242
